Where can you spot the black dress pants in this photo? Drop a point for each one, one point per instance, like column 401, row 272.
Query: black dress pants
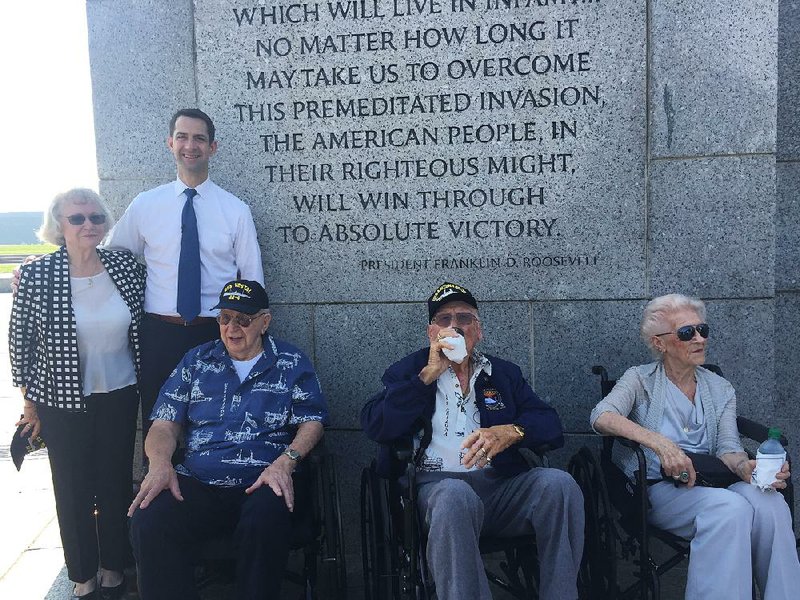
column 162, row 347
column 166, row 535
column 91, row 459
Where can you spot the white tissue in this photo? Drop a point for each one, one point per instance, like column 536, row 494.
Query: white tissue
column 767, row 466
column 459, row 351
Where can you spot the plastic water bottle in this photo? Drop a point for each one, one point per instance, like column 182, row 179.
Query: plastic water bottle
column 769, row 460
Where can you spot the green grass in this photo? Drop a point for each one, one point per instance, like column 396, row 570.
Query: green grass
column 7, row 268
column 26, row 249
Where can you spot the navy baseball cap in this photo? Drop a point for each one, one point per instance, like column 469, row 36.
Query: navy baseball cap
column 243, row 296
column 449, row 292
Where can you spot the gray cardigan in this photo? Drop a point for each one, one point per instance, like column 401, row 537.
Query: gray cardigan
column 640, row 395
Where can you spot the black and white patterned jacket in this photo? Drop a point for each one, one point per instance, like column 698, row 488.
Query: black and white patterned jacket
column 43, row 339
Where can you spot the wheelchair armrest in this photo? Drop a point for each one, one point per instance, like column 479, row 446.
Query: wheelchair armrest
column 755, row 431
column 542, row 449
column 627, row 443
column 601, row 371
column 403, row 450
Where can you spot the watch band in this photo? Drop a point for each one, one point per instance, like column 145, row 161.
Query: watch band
column 519, row 429
column 293, row 454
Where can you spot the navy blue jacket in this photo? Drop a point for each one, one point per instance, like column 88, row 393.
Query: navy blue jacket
column 395, row 414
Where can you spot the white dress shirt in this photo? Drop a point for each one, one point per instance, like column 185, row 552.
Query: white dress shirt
column 151, row 227
column 454, row 418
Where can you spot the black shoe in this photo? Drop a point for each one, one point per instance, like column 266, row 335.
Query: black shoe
column 114, row 593
column 93, row 595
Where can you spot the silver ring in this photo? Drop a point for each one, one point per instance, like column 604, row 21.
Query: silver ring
column 483, row 452
column 684, row 476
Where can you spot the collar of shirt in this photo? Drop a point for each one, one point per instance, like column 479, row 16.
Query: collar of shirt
column 202, row 189
column 269, row 354
column 479, row 363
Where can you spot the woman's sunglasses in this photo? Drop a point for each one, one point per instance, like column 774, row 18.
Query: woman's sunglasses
column 686, row 333
column 81, row 219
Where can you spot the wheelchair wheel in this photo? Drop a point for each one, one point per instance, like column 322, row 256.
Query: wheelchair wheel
column 597, row 579
column 334, row 568
column 377, row 540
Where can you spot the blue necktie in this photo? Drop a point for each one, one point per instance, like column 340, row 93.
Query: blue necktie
column 189, row 264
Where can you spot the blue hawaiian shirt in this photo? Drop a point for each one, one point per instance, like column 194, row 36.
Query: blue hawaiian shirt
column 233, row 428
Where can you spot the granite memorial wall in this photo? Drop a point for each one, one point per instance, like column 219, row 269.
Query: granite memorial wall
column 564, row 159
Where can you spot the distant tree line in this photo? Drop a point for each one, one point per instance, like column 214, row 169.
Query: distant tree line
column 19, row 227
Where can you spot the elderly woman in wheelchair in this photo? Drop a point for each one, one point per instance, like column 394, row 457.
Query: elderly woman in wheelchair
column 673, row 406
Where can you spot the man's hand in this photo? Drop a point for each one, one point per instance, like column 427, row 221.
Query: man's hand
column 158, row 479
column 487, row 442
column 15, row 274
column 278, row 476
column 437, row 361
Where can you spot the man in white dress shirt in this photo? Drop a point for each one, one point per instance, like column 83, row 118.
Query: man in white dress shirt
column 152, row 228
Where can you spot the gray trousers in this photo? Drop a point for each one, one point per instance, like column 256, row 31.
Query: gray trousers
column 457, row 508
column 735, row 533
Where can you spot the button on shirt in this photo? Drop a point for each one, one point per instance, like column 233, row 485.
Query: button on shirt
column 454, row 418
column 151, row 227
column 234, row 429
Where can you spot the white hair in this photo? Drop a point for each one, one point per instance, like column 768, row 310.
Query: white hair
column 51, row 232
column 656, row 315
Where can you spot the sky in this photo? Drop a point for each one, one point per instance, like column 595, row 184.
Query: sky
column 45, row 103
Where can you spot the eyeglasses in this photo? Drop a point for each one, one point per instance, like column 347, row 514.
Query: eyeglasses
column 686, row 333
column 243, row 321
column 81, row 219
column 463, row 319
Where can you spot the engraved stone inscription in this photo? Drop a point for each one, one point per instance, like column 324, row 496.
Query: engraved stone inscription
column 385, row 142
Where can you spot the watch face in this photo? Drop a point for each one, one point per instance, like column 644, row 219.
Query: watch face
column 293, row 454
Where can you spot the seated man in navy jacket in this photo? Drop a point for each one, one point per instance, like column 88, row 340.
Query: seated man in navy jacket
column 468, row 421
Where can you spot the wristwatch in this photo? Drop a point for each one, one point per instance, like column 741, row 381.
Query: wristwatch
column 293, row 454
column 519, row 429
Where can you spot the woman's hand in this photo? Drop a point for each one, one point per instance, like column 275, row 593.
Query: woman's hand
column 744, row 469
column 783, row 477
column 674, row 460
column 30, row 418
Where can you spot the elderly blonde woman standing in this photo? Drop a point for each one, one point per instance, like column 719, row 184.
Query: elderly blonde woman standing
column 75, row 354
column 672, row 406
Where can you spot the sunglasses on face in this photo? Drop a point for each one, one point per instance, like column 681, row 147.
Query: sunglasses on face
column 686, row 333
column 81, row 219
column 243, row 321
column 462, row 319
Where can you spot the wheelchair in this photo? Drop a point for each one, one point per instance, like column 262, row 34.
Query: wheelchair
column 317, row 537
column 393, row 541
column 616, row 515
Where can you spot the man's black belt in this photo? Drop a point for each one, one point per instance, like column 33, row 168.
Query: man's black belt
column 179, row 321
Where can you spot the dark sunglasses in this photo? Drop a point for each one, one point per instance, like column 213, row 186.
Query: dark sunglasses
column 243, row 321
column 686, row 333
column 462, row 319
column 81, row 219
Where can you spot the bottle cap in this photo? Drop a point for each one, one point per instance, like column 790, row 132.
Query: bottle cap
column 774, row 433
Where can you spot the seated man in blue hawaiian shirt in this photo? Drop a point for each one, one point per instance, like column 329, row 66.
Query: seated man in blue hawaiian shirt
column 250, row 409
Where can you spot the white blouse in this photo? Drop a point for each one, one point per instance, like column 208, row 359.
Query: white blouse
column 102, row 320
